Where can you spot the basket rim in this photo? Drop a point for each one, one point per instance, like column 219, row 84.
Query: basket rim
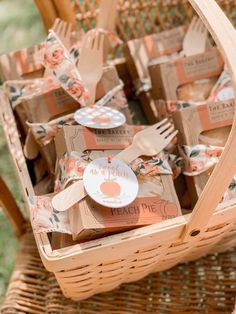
column 171, row 230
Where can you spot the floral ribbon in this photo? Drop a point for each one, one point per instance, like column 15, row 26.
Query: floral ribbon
column 71, row 167
column 45, row 218
column 223, row 89
column 44, row 133
column 116, row 96
column 176, row 164
column 17, row 90
column 60, row 65
column 200, row 158
column 167, row 107
column 24, row 89
column 155, row 166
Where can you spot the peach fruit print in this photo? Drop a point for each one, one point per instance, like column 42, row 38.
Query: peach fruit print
column 110, row 188
column 101, row 119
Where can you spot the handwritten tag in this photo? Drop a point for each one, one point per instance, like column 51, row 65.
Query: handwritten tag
column 111, row 184
column 99, row 117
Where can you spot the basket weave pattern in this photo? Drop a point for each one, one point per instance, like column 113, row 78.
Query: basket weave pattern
column 137, row 18
column 205, row 286
column 124, row 261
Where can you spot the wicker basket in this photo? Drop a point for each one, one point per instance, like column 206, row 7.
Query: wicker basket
column 208, row 286
column 136, row 18
column 101, row 265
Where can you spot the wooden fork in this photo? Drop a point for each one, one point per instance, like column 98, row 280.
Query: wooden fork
column 147, row 142
column 63, row 31
column 195, row 39
column 91, row 61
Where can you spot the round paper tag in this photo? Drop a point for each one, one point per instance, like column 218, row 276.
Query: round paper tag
column 99, row 117
column 111, row 184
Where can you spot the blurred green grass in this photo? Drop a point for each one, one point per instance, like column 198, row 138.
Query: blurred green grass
column 21, row 27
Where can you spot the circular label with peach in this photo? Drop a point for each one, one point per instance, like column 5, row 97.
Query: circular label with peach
column 99, row 117
column 110, row 182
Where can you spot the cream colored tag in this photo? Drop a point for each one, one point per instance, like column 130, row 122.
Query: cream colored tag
column 110, row 183
column 99, row 117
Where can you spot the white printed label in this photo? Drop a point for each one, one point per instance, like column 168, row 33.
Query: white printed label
column 111, row 184
column 221, row 111
column 99, row 117
column 225, row 94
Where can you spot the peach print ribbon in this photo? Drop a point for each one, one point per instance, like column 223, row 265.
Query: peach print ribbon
column 60, row 65
column 18, row 90
column 24, row 89
column 223, row 89
column 45, row 218
column 44, row 133
column 71, row 167
column 200, row 158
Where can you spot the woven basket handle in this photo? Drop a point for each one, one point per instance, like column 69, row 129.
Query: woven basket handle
column 225, row 37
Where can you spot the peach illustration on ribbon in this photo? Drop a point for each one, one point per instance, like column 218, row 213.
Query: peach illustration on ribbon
column 61, row 67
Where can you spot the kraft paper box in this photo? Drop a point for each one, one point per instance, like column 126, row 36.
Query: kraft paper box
column 56, row 102
column 109, row 80
column 166, row 108
column 43, row 164
column 208, row 123
column 48, row 153
column 168, row 77
column 50, row 105
column 139, row 52
column 25, row 63
column 21, row 118
column 37, row 170
column 156, row 200
column 124, row 74
column 79, row 138
column 44, row 186
column 19, row 64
